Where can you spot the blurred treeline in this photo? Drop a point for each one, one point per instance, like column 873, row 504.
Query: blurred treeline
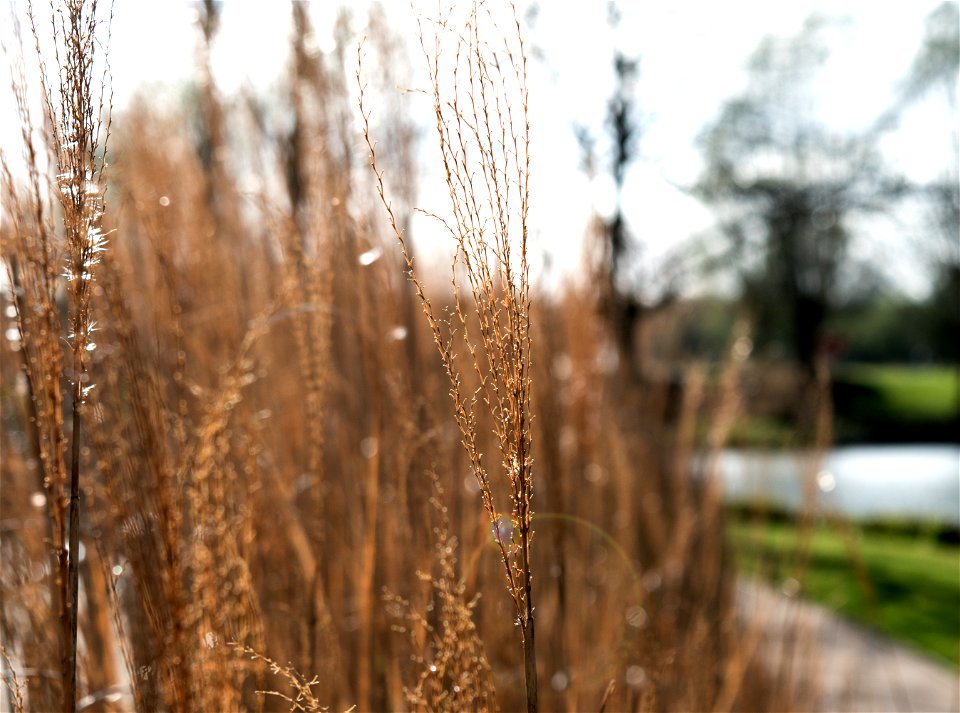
column 796, row 200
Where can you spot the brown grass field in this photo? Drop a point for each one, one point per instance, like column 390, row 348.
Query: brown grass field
column 255, row 459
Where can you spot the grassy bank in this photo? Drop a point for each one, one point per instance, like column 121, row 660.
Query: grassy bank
column 892, row 402
column 904, row 585
column 913, row 392
column 873, row 403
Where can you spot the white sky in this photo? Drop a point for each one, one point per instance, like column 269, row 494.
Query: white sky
column 692, row 55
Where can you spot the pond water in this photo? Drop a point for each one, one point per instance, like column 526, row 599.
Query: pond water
column 859, row 482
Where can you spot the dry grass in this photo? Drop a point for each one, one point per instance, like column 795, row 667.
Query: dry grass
column 277, row 498
column 486, row 163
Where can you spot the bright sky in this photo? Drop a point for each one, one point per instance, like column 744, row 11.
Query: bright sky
column 692, row 55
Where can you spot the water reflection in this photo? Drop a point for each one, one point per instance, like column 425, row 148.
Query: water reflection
column 920, row 481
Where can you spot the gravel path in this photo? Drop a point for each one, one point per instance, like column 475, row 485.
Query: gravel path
column 842, row 667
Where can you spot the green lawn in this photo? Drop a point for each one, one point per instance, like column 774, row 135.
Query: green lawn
column 907, row 587
column 927, row 393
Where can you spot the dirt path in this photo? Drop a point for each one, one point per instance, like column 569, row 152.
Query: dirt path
column 842, row 667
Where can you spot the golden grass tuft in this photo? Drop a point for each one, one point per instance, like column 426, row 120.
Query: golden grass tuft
column 270, row 444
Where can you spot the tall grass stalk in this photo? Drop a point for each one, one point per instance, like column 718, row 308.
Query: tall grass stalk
column 485, row 153
column 77, row 113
